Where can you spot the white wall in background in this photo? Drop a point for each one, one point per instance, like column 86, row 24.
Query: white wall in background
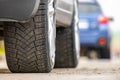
column 112, row 9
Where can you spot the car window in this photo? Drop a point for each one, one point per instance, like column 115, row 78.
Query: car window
column 88, row 8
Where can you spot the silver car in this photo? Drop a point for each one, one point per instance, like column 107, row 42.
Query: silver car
column 30, row 34
column 64, row 12
column 67, row 38
column 29, row 27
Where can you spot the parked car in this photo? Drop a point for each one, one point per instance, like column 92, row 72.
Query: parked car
column 67, row 38
column 94, row 29
column 30, row 33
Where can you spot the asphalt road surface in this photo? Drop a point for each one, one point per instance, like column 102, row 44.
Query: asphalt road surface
column 86, row 70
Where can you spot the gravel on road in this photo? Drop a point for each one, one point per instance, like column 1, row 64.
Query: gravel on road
column 86, row 70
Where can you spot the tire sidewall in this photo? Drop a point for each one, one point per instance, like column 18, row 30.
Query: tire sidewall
column 51, row 63
column 76, row 34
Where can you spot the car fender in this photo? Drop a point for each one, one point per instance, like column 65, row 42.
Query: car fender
column 64, row 12
column 18, row 10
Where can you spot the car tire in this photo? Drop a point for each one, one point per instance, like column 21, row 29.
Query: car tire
column 93, row 54
column 105, row 53
column 1, row 35
column 30, row 46
column 67, row 46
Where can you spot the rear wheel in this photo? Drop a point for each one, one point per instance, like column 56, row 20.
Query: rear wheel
column 30, row 47
column 92, row 54
column 104, row 53
column 99, row 53
column 67, row 51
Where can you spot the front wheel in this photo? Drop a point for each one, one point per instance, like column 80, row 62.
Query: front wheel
column 30, row 47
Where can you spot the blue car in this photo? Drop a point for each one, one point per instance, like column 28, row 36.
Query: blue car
column 94, row 29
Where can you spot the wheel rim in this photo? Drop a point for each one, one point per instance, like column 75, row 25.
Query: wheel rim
column 77, row 43
column 51, row 32
column 76, row 34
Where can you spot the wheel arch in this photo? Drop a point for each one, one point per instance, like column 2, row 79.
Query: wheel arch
column 64, row 12
column 18, row 10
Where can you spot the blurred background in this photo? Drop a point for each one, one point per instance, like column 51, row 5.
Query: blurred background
column 110, row 8
column 2, row 51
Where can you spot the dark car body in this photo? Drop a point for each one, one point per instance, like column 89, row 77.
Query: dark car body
column 18, row 10
column 22, row 10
